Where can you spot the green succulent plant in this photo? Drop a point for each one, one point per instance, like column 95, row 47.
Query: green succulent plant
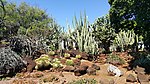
column 42, row 62
column 78, row 56
column 51, row 53
column 113, row 58
column 56, row 63
column 69, row 62
column 66, row 55
column 84, row 81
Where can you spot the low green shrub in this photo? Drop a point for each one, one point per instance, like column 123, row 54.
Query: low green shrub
column 69, row 62
column 114, row 59
column 84, row 81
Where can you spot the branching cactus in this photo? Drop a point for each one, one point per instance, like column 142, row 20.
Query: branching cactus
column 125, row 39
column 82, row 36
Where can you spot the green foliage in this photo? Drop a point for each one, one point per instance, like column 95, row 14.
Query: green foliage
column 42, row 62
column 141, row 59
column 131, row 14
column 125, row 39
column 115, row 59
column 67, row 55
column 84, row 81
column 51, row 53
column 69, row 62
column 78, row 56
column 10, row 62
column 56, row 63
column 103, row 32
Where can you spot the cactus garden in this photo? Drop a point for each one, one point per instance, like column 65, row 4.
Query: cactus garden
column 113, row 49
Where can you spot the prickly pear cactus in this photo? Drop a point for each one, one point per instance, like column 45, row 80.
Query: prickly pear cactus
column 10, row 61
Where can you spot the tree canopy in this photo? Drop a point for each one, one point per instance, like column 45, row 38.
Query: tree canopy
column 131, row 14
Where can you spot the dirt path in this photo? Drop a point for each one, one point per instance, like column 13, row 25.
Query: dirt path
column 69, row 76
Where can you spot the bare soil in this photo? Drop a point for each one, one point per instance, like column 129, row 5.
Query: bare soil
column 65, row 77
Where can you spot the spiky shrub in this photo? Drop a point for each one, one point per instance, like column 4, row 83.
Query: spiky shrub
column 84, row 81
column 82, row 36
column 125, row 39
column 43, row 62
column 10, row 62
column 27, row 46
column 114, row 59
column 142, row 60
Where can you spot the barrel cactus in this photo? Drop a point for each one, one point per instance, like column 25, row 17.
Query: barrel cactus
column 43, row 62
column 10, row 62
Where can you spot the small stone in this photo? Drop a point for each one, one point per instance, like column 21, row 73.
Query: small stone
column 95, row 67
column 69, row 68
column 106, row 81
column 61, row 74
column 143, row 78
column 131, row 78
column 91, row 71
column 139, row 70
column 81, row 70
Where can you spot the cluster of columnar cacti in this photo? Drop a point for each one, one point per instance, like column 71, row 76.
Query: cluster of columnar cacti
column 125, row 39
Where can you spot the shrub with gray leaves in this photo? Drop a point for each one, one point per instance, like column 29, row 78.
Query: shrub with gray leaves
column 10, row 62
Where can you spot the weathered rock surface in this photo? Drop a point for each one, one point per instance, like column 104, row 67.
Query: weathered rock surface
column 81, row 70
column 95, row 67
column 131, row 78
column 69, row 68
column 91, row 71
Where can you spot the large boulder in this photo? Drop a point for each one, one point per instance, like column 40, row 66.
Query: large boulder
column 81, row 70
column 114, row 70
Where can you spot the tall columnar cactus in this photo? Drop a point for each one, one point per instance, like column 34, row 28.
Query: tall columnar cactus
column 125, row 39
column 82, row 36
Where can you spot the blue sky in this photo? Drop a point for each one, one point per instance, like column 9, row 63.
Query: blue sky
column 65, row 10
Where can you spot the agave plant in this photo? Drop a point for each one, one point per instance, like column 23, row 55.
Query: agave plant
column 10, row 62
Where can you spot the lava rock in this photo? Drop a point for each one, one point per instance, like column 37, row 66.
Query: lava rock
column 143, row 78
column 81, row 70
column 131, row 78
column 69, row 69
column 140, row 70
column 30, row 64
column 91, row 71
column 106, row 81
column 95, row 67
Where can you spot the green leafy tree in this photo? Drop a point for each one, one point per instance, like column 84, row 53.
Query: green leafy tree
column 131, row 14
column 103, row 32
